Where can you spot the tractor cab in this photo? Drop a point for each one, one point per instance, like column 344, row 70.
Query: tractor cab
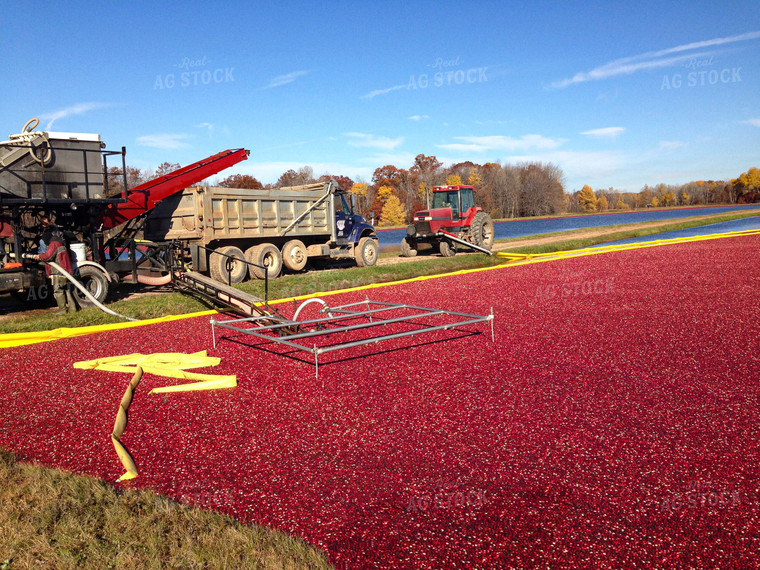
column 459, row 198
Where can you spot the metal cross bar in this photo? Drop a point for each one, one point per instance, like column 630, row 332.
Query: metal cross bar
column 258, row 332
column 363, row 325
column 347, row 315
column 399, row 335
column 351, row 315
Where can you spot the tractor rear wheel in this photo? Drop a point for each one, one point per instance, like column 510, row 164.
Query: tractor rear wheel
column 447, row 248
column 408, row 249
column 482, row 230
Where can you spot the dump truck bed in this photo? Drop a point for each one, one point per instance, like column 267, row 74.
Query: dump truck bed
column 206, row 214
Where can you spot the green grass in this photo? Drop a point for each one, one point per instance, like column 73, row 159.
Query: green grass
column 173, row 303
column 53, row 519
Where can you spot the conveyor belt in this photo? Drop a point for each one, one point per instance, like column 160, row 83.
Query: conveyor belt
column 237, row 300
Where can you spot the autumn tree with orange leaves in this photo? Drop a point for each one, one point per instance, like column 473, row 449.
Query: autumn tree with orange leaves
column 241, row 181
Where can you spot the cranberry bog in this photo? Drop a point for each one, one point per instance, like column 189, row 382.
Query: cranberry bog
column 612, row 422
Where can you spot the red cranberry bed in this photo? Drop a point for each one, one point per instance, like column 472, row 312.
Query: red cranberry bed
column 614, row 421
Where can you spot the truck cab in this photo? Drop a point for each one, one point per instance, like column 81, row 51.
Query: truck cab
column 353, row 231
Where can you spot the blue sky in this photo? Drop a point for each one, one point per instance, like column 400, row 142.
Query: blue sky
column 616, row 94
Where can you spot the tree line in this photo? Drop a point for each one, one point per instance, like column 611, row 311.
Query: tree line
column 504, row 191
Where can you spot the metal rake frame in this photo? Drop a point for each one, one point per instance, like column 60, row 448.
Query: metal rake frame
column 287, row 332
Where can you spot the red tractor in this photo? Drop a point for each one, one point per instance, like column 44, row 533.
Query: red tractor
column 453, row 215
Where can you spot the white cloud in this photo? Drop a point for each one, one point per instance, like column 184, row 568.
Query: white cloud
column 208, row 126
column 670, row 145
column 753, row 122
column 78, row 109
column 418, row 117
column 373, row 141
column 164, row 141
column 502, row 143
column 281, row 80
column 605, row 133
column 373, row 94
column 491, row 122
column 652, row 60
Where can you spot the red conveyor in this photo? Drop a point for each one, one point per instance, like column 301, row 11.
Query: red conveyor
column 144, row 197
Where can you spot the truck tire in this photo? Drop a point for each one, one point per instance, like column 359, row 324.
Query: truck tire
column 447, row 248
column 227, row 270
column 366, row 252
column 95, row 281
column 408, row 249
column 266, row 255
column 294, row 255
column 482, row 231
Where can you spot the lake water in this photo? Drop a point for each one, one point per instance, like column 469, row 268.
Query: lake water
column 524, row 227
column 722, row 227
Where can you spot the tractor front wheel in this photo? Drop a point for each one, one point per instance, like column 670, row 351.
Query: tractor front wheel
column 408, row 249
column 447, row 248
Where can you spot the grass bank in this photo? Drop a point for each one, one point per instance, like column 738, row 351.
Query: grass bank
column 53, row 519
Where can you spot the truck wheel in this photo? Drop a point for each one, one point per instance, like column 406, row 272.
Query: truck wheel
column 96, row 283
column 225, row 269
column 482, row 230
column 366, row 252
column 294, row 255
column 266, row 255
column 447, row 248
column 407, row 249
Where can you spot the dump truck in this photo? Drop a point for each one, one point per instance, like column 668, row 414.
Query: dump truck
column 272, row 228
column 453, row 215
